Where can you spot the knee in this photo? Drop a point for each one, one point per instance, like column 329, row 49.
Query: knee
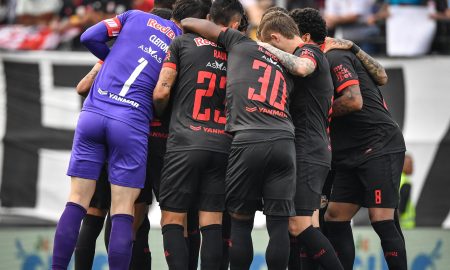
column 381, row 214
column 297, row 225
column 241, row 217
column 331, row 215
column 172, row 218
column 209, row 218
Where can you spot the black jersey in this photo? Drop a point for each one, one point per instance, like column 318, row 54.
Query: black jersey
column 258, row 86
column 310, row 108
column 198, row 97
column 363, row 134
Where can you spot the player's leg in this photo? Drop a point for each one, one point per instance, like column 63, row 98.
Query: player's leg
column 345, row 201
column 193, row 237
column 243, row 198
column 382, row 200
column 127, row 149
column 86, row 161
column 316, row 249
column 177, row 191
column 211, row 205
column 92, row 223
column 278, row 196
column 141, row 257
column 226, row 231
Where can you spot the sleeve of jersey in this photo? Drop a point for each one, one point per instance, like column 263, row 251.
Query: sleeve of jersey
column 172, row 59
column 95, row 38
column 342, row 72
column 229, row 37
column 307, row 53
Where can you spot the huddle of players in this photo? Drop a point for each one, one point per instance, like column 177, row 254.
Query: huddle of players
column 268, row 148
column 279, row 101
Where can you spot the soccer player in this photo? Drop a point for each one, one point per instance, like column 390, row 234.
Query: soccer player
column 368, row 153
column 310, row 108
column 261, row 166
column 193, row 77
column 114, row 125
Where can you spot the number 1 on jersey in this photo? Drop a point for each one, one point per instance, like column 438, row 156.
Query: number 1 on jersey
column 126, row 86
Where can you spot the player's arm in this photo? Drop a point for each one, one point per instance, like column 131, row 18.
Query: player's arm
column 161, row 93
column 298, row 66
column 167, row 77
column 375, row 69
column 204, row 28
column 96, row 36
column 349, row 101
column 85, row 84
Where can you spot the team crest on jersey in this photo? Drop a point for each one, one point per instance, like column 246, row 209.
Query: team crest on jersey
column 166, row 30
column 151, row 52
column 217, row 65
column 199, row 41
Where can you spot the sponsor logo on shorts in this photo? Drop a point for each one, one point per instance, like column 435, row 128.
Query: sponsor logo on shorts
column 199, row 41
column 151, row 52
column 217, row 65
column 159, row 43
column 166, row 30
column 123, row 100
column 102, row 92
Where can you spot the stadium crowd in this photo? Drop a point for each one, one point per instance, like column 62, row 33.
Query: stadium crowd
column 57, row 24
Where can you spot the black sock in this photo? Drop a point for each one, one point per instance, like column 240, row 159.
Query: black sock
column 194, row 239
column 85, row 247
column 277, row 252
column 397, row 224
column 226, row 230
column 319, row 249
column 142, row 257
column 294, row 254
column 107, row 231
column 341, row 237
column 241, row 246
column 175, row 248
column 211, row 251
column 392, row 244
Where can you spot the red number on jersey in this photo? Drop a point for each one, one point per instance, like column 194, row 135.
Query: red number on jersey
column 200, row 93
column 276, row 87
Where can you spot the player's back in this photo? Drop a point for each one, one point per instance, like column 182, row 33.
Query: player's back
column 310, row 108
column 258, row 86
column 198, row 111
column 370, row 131
column 124, row 86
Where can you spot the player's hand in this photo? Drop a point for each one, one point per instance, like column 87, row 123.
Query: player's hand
column 336, row 44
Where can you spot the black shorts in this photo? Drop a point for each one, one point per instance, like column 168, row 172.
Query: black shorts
column 310, row 180
column 155, row 163
column 194, row 178
column 259, row 175
column 102, row 194
column 374, row 184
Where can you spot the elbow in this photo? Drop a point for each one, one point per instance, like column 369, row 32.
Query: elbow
column 383, row 79
column 160, row 96
column 186, row 23
column 85, row 38
column 82, row 89
column 357, row 103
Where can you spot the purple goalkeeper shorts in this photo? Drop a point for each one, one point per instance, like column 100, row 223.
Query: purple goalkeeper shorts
column 99, row 139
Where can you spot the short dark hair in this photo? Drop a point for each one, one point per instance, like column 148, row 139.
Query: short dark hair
column 243, row 25
column 223, row 11
column 164, row 13
column 278, row 22
column 164, row 4
column 191, row 8
column 310, row 21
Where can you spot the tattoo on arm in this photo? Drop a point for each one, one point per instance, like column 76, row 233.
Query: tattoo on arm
column 85, row 84
column 294, row 64
column 350, row 101
column 337, row 44
column 375, row 69
column 161, row 93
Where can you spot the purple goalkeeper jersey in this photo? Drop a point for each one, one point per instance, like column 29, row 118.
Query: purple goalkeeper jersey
column 123, row 89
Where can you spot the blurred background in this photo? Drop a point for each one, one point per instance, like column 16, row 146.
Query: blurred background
column 41, row 61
